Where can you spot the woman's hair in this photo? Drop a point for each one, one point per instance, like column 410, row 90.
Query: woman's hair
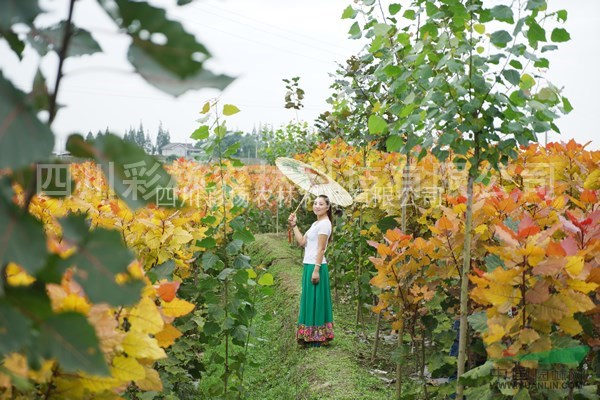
column 329, row 213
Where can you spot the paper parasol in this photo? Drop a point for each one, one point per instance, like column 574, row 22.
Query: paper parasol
column 313, row 181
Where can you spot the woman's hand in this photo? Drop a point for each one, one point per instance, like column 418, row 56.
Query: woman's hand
column 315, row 276
column 292, row 219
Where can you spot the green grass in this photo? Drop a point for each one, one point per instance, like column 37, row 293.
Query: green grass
column 283, row 370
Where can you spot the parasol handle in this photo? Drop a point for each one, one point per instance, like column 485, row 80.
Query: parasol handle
column 289, row 226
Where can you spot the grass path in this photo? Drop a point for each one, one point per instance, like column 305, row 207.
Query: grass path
column 280, row 369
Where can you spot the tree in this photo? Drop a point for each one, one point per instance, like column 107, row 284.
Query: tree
column 89, row 137
column 163, row 138
column 461, row 78
column 26, row 142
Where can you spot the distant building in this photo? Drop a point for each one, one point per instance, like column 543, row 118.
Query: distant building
column 179, row 150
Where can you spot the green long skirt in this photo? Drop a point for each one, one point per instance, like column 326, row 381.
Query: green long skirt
column 315, row 322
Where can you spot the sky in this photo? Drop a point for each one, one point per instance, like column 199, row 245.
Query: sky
column 261, row 42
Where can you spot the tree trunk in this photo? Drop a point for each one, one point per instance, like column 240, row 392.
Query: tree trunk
column 464, row 290
column 399, row 365
column 376, row 342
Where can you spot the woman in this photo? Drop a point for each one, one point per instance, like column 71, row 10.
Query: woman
column 315, row 322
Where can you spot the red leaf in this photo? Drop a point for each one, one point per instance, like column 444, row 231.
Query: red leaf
column 527, row 227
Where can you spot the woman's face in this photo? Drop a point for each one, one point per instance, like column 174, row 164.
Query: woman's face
column 320, row 206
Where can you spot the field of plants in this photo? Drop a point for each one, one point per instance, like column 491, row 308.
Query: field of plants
column 468, row 264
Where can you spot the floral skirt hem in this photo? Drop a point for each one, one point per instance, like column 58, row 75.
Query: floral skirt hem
column 307, row 334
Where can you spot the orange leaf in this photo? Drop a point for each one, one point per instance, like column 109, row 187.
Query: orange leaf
column 444, row 224
column 589, row 196
column 506, row 235
column 167, row 290
column 167, row 336
column 550, row 266
column 555, row 249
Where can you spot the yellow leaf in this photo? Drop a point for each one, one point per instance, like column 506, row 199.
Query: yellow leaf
column 251, row 273
column 581, row 286
column 459, row 208
column 151, row 382
column 592, row 182
column 140, row 345
column 397, row 325
column 145, row 317
column 534, row 254
column 481, row 229
column 181, row 236
column 97, row 384
column 176, row 308
column 574, row 266
column 167, row 336
column 494, row 334
column 570, row 326
column 528, row 336
column 553, row 309
column 17, row 276
column 72, row 302
column 127, row 369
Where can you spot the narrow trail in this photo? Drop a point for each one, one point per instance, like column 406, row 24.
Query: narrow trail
column 280, row 368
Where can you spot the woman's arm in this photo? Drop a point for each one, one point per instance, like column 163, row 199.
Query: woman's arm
column 300, row 238
column 321, row 245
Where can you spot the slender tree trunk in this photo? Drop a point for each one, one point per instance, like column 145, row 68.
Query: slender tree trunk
column 464, row 290
column 376, row 342
column 399, row 365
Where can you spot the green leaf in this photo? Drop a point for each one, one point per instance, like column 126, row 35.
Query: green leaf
column 71, row 339
column 560, row 35
column 410, row 14
column 355, row 32
column 500, row 38
column 394, row 143
column 14, row 11
column 535, row 4
column 568, row 356
column 244, row 235
column 512, row 76
column 100, row 255
column 162, row 271
column 209, row 260
column 376, row 124
column 479, row 28
column 207, row 243
column 15, row 333
column 234, row 247
column 536, row 34
column 527, row 82
column 493, row 261
column 23, row 138
column 478, row 374
column 22, row 238
column 266, row 280
column 349, row 13
column 16, row 44
column 478, row 321
column 502, row 13
column 201, row 133
column 567, row 105
column 50, row 39
column 381, row 29
column 561, row 15
column 230, row 109
column 137, row 177
column 394, row 8
column 164, row 79
column 516, row 64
